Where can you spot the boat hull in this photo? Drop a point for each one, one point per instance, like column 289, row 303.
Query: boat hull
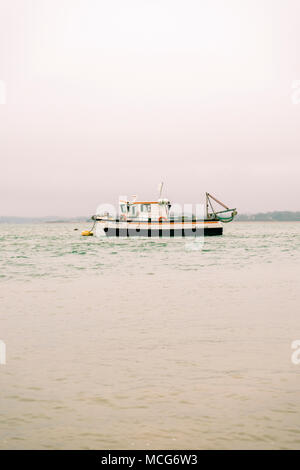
column 112, row 232
column 162, row 230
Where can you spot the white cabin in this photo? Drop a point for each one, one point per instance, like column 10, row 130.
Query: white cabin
column 145, row 210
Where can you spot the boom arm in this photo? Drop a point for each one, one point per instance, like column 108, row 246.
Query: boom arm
column 216, row 213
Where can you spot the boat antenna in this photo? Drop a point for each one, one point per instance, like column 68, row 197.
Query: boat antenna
column 160, row 188
column 206, row 200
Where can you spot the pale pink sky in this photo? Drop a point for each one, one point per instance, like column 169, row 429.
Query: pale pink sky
column 111, row 97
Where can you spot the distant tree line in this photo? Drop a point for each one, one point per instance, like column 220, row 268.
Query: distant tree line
column 41, row 220
column 277, row 216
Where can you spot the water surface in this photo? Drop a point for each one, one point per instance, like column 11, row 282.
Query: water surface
column 149, row 343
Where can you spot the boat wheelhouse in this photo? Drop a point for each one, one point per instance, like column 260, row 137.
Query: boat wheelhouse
column 145, row 210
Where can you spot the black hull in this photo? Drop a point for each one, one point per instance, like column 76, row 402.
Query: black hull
column 160, row 233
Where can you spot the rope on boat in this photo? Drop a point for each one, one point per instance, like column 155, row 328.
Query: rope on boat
column 89, row 233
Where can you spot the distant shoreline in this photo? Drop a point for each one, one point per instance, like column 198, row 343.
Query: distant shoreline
column 267, row 220
column 43, row 220
column 275, row 216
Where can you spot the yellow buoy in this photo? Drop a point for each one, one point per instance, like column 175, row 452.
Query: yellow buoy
column 87, row 233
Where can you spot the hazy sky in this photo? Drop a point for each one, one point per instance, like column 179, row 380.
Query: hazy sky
column 111, row 97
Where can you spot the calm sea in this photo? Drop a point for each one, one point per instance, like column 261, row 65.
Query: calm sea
column 139, row 343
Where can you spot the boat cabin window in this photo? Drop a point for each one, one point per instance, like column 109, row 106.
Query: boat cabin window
column 123, row 207
column 145, row 208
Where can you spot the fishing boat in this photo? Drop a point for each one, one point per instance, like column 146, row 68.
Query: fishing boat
column 155, row 219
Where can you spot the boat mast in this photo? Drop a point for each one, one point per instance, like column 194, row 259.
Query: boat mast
column 206, row 194
column 160, row 188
